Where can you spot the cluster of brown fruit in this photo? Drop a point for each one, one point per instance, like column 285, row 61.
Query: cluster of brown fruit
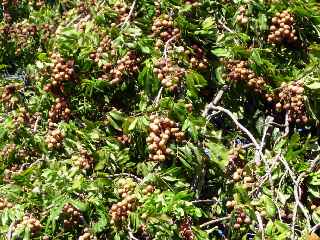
column 168, row 73
column 242, row 19
column 5, row 204
column 162, row 129
column 241, row 218
column 21, row 33
column 71, row 216
column 290, row 98
column 148, row 190
column 239, row 71
column 282, row 29
column 124, row 139
column 59, row 111
column 127, row 64
column 186, row 230
column 235, row 159
column 121, row 210
column 62, row 71
column 194, row 3
column 241, row 175
column 163, row 27
column 8, row 149
column 8, row 97
column 84, row 161
column 29, row 222
column 87, row 235
column 104, row 46
column 10, row 172
column 48, row 31
column 54, row 138
column 122, row 11
column 36, row 3
column 21, row 117
column 197, row 57
column 82, row 8
column 5, row 9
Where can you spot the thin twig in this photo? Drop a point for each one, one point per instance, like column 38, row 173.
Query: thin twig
column 260, row 224
column 36, row 124
column 204, row 201
column 125, row 175
column 9, row 234
column 166, row 46
column 126, row 21
column 215, row 221
column 214, row 101
column 131, row 232
column 286, row 124
column 157, row 99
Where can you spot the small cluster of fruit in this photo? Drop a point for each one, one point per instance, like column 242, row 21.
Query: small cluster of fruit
column 148, row 190
column 47, row 31
column 82, row 8
column 197, row 57
column 239, row 71
column 71, row 216
column 87, row 235
column 127, row 64
column 29, row 222
column 22, row 117
column 54, row 138
column 290, row 98
column 59, row 111
column 240, row 174
column 36, row 3
column 124, row 139
column 5, row 204
column 5, row 9
column 242, row 19
column 235, row 159
column 8, row 149
column 194, row 3
column 168, row 73
column 282, row 29
column 186, row 230
column 241, row 218
column 10, row 172
column 8, row 97
column 104, row 46
column 162, row 129
column 122, row 11
column 163, row 27
column 84, row 161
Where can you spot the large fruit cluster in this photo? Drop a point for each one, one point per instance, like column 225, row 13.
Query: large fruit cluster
column 282, row 29
column 128, row 64
column 168, row 73
column 162, row 129
column 62, row 70
column 85, row 161
column 163, row 29
column 29, row 222
column 120, row 211
column 240, row 71
column 290, row 98
column 197, row 57
column 105, row 47
column 59, row 111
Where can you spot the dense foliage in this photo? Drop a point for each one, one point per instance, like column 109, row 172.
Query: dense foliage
column 167, row 119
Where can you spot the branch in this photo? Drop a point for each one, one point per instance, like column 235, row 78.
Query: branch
column 126, row 21
column 214, row 101
column 36, row 124
column 286, row 124
column 215, row 221
column 131, row 236
column 157, row 99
